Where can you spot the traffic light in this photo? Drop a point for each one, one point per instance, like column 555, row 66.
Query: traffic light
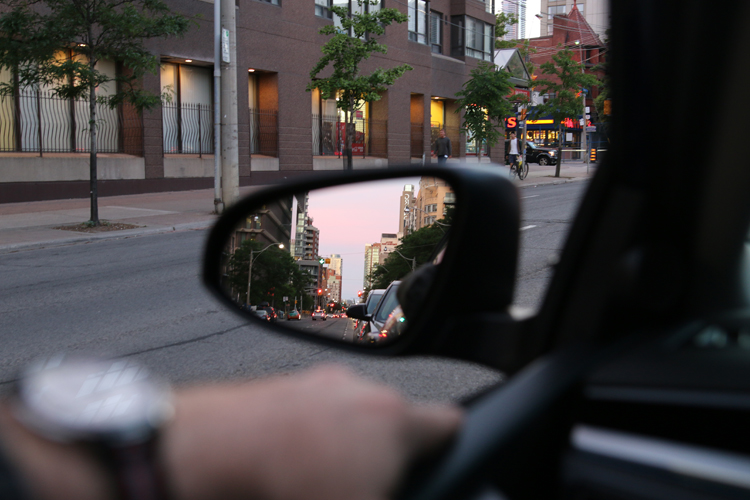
column 359, row 293
column 522, row 114
column 328, row 261
column 320, row 291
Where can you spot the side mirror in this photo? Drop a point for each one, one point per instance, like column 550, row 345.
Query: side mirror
column 358, row 311
column 458, row 228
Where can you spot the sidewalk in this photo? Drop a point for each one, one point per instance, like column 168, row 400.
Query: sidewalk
column 31, row 224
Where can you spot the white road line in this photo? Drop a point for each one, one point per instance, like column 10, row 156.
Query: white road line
column 532, row 196
column 527, row 227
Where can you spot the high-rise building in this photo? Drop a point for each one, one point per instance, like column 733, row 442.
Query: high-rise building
column 405, row 215
column 300, row 223
column 517, row 7
column 388, row 241
column 372, row 259
column 434, row 198
column 311, row 242
column 596, row 13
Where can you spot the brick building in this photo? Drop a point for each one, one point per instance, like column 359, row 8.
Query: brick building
column 573, row 32
column 283, row 129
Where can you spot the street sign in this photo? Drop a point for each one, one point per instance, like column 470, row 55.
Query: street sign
column 591, row 129
column 225, row 45
column 286, row 299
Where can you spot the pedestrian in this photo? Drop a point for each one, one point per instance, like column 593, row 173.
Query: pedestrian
column 514, row 150
column 442, row 148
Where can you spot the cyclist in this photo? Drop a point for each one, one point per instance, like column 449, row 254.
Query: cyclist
column 514, row 151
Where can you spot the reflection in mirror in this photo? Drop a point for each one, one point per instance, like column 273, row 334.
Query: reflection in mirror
column 303, row 261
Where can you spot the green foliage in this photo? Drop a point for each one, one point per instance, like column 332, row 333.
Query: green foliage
column 486, row 103
column 345, row 53
column 420, row 244
column 503, row 22
column 275, row 274
column 565, row 102
column 32, row 33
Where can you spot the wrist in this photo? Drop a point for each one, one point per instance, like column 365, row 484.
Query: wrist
column 51, row 470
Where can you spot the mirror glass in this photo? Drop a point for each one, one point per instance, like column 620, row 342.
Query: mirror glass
column 302, row 261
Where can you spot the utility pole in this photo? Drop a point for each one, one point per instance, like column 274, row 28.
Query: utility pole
column 584, row 92
column 218, row 203
column 230, row 160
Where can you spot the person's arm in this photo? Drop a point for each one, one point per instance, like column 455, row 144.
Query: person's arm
column 325, row 434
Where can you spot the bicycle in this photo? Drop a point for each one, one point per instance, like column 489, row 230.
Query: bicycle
column 520, row 168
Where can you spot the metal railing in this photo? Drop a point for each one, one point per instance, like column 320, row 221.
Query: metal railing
column 264, row 132
column 188, row 128
column 329, row 136
column 37, row 121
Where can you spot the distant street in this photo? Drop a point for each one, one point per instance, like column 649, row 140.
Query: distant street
column 142, row 297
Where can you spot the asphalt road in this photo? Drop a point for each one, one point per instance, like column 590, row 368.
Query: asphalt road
column 142, row 297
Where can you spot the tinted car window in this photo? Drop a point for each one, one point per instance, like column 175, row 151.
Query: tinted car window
column 373, row 301
column 391, row 301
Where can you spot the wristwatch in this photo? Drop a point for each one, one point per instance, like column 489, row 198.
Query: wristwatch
column 115, row 407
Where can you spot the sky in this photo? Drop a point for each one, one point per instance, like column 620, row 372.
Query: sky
column 349, row 217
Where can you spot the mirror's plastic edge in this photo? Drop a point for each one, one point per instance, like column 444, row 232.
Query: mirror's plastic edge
column 493, row 200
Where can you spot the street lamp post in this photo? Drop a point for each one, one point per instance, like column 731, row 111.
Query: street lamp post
column 250, row 269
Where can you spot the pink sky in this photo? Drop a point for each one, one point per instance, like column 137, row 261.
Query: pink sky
column 351, row 216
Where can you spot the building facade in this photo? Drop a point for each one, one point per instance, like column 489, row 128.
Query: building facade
column 518, row 8
column 586, row 46
column 596, row 13
column 283, row 130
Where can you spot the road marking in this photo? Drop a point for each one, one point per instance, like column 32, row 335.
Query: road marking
column 532, row 196
column 527, row 227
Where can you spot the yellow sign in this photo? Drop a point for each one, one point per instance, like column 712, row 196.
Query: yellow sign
column 540, row 122
column 328, row 261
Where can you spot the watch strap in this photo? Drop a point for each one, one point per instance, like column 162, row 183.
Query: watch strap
column 136, row 470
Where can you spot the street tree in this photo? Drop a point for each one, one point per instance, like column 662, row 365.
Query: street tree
column 503, row 23
column 418, row 245
column 34, row 35
column 351, row 43
column 565, row 85
column 275, row 274
column 487, row 99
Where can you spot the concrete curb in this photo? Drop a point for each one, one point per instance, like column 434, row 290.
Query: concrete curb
column 130, row 233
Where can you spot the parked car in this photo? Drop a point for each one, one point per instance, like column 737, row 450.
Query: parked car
column 293, row 314
column 319, row 314
column 535, row 154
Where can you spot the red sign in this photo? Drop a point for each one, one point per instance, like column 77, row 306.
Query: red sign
column 358, row 146
column 511, row 122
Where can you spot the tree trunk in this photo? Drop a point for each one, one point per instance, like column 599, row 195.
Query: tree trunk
column 92, row 155
column 559, row 150
column 349, row 136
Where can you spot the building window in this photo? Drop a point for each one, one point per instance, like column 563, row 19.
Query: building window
column 418, row 13
column 436, row 32
column 557, row 10
column 187, row 121
column 478, row 39
column 272, row 2
column 322, row 8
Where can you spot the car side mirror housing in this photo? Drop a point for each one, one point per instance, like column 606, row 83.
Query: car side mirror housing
column 357, row 311
column 477, row 258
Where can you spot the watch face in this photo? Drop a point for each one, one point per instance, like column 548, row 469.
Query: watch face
column 72, row 399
